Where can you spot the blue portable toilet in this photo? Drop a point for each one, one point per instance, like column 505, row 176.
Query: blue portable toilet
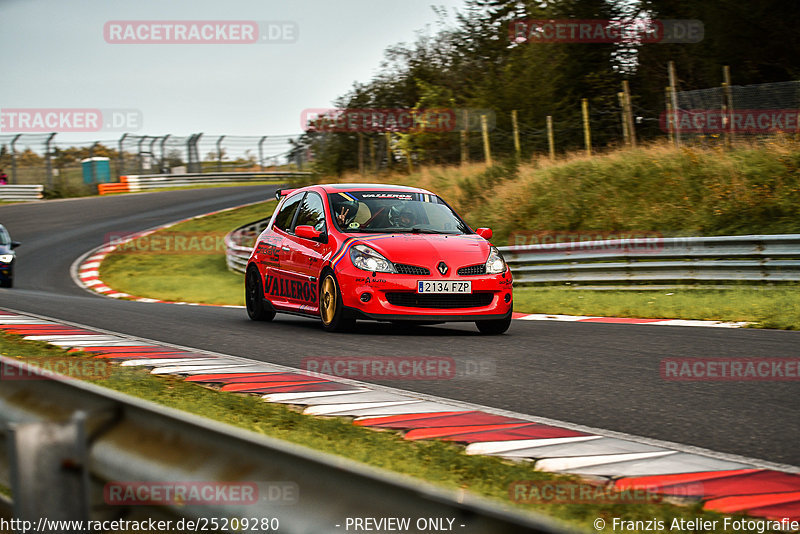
column 102, row 170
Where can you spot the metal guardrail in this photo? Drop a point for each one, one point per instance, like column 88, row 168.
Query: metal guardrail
column 239, row 244
column 145, row 182
column 63, row 442
column 749, row 258
column 21, row 192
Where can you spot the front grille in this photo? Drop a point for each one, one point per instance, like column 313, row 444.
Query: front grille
column 440, row 300
column 472, row 270
column 402, row 268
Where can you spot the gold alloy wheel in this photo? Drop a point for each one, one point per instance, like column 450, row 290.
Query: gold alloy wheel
column 327, row 300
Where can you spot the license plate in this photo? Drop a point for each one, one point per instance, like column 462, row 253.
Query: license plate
column 444, row 286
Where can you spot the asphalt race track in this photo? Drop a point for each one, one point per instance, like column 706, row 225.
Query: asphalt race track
column 599, row 375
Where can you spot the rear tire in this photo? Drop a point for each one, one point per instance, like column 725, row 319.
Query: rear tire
column 254, row 297
column 331, row 310
column 494, row 327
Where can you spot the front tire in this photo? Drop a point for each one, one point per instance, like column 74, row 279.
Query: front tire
column 331, row 310
column 254, row 297
column 494, row 327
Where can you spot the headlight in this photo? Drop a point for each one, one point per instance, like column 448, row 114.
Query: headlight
column 495, row 264
column 368, row 259
column 6, row 258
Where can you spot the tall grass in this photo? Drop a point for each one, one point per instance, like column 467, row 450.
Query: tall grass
column 657, row 188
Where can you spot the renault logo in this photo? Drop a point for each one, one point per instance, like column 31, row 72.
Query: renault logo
column 442, row 268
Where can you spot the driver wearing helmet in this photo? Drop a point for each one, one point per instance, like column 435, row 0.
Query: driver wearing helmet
column 407, row 218
column 402, row 217
column 345, row 212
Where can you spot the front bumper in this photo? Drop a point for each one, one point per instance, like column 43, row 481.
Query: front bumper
column 496, row 294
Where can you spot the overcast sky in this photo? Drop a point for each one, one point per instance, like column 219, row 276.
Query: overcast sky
column 55, row 55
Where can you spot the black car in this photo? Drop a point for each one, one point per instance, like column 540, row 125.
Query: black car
column 7, row 258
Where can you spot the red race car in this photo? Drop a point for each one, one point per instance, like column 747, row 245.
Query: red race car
column 344, row 252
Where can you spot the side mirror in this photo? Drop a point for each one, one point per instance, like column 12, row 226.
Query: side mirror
column 307, row 232
column 15, row 244
column 485, row 233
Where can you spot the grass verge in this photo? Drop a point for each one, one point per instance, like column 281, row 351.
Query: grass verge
column 657, row 188
column 441, row 463
column 204, row 278
column 765, row 308
column 160, row 267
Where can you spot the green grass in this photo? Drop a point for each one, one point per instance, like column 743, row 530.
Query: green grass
column 206, row 279
column 655, row 188
column 766, row 308
column 441, row 463
column 184, row 275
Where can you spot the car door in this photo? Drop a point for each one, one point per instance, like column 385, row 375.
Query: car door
column 273, row 252
column 305, row 255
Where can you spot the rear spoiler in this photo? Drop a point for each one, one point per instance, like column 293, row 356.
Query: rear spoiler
column 283, row 192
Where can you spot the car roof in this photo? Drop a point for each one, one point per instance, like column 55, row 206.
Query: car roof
column 336, row 188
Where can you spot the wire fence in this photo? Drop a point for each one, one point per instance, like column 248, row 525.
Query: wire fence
column 706, row 117
column 64, row 166
column 719, row 115
column 726, row 113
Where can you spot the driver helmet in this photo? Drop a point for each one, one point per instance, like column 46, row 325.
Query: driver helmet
column 348, row 207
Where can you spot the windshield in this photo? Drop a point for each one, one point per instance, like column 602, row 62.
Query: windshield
column 393, row 211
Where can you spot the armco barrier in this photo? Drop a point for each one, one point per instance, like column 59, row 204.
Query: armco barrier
column 239, row 244
column 21, row 192
column 105, row 189
column 148, row 182
column 63, row 442
column 749, row 258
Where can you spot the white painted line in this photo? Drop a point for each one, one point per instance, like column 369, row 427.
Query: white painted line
column 21, row 320
column 680, row 462
column 410, row 409
column 185, row 369
column 599, row 447
column 345, row 409
column 155, row 362
column 120, row 343
column 499, row 447
column 572, row 463
column 555, row 317
column 359, row 397
column 298, row 398
column 76, row 337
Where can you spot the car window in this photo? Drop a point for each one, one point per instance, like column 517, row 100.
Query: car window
column 5, row 239
column 311, row 212
column 394, row 212
column 284, row 219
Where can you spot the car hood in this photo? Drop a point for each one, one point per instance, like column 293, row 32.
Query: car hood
column 427, row 250
column 6, row 249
